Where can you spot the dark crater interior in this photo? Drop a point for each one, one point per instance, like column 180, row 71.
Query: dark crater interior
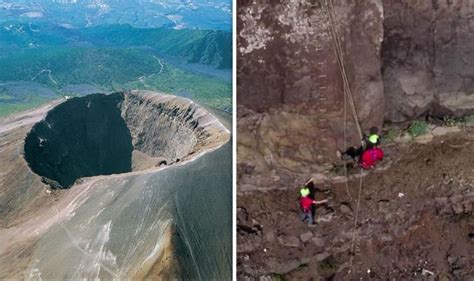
column 82, row 137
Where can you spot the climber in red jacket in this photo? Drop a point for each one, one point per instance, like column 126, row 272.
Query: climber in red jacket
column 307, row 202
column 370, row 157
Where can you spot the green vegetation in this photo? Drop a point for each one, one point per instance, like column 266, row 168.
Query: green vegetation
column 278, row 277
column 209, row 47
column 58, row 67
column 13, row 100
column 450, row 121
column 111, row 69
column 469, row 119
column 5, row 97
column 328, row 267
column 458, row 121
column 418, row 128
column 46, row 61
column 30, row 102
column 208, row 90
column 390, row 135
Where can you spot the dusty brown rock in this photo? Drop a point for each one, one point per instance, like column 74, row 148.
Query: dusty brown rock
column 395, row 235
column 289, row 241
column 440, row 131
column 427, row 58
column 318, row 241
column 29, row 210
column 345, row 209
column 290, row 89
column 282, row 267
column 169, row 126
column 423, row 139
column 322, row 256
column 290, row 118
column 305, row 237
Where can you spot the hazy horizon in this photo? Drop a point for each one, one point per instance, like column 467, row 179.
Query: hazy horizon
column 196, row 14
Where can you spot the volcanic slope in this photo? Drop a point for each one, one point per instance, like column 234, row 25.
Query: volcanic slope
column 121, row 225
column 415, row 214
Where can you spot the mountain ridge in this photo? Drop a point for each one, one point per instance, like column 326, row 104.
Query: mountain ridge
column 209, row 47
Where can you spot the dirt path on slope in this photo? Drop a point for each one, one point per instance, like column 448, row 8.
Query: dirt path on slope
column 415, row 222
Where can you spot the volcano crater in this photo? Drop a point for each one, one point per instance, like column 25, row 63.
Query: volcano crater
column 118, row 133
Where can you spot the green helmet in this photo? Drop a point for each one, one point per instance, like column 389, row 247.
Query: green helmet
column 304, row 191
column 373, row 138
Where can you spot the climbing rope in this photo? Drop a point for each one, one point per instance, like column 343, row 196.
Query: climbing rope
column 355, row 220
column 340, row 61
column 345, row 145
column 347, row 95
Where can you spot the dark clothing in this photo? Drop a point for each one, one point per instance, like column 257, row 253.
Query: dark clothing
column 354, row 152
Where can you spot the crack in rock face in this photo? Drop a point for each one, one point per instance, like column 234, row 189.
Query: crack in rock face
column 118, row 133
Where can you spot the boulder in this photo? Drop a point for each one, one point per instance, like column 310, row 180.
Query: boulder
column 346, row 209
column 51, row 183
column 318, row 241
column 440, row 131
column 424, row 139
column 322, row 256
column 386, row 237
column 286, row 266
column 305, row 237
column 289, row 241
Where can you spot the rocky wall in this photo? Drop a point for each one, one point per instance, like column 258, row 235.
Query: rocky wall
column 427, row 58
column 290, row 90
column 169, row 126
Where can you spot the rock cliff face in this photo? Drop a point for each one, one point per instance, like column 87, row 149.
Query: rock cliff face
column 404, row 60
column 169, row 126
column 290, row 90
column 96, row 134
column 427, row 58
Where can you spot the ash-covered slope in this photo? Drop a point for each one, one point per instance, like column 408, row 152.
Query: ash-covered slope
column 129, row 226
column 96, row 134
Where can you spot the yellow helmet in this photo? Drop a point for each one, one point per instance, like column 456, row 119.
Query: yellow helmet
column 373, row 138
column 304, row 191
